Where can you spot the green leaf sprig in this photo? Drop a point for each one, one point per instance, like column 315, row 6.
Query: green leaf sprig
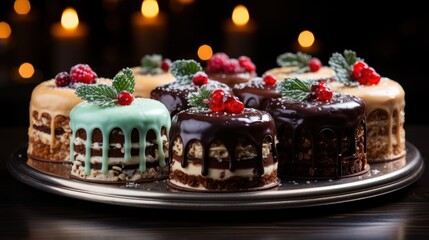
column 104, row 95
column 151, row 64
column 184, row 70
column 294, row 88
column 342, row 64
column 299, row 60
column 200, row 98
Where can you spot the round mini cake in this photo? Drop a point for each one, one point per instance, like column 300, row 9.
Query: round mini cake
column 50, row 106
column 153, row 72
column 230, row 71
column 223, row 148
column 257, row 91
column 321, row 135
column 384, row 101
column 300, row 65
column 117, row 138
column 190, row 78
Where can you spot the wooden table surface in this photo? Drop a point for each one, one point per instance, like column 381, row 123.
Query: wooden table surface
column 29, row 213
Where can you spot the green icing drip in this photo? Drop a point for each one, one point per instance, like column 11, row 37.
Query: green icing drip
column 143, row 114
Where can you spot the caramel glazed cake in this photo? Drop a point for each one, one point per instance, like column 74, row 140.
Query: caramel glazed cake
column 49, row 130
column 222, row 152
column 320, row 139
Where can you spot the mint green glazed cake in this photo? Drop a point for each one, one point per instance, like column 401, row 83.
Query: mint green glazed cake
column 117, row 140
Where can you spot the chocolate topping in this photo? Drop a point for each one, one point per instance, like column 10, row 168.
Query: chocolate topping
column 207, row 127
column 174, row 95
column 255, row 93
column 232, row 78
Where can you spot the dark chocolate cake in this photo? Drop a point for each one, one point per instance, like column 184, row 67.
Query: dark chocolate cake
column 320, row 135
column 256, row 92
column 222, row 150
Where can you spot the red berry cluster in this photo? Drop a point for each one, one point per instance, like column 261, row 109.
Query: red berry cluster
column 220, row 101
column 200, row 78
column 80, row 73
column 222, row 63
column 365, row 74
column 269, row 79
column 314, row 64
column 321, row 91
column 125, row 98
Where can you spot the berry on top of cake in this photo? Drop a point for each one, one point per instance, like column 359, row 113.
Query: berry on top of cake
column 300, row 65
column 384, row 100
column 256, row 92
column 118, row 138
column 218, row 145
column 229, row 70
column 189, row 78
column 50, row 106
column 153, row 71
column 321, row 134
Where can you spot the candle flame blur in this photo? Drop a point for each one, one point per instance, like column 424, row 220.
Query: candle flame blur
column 5, row 30
column 69, row 19
column 306, row 39
column 26, row 70
column 205, row 52
column 22, row 7
column 150, row 8
column 240, row 15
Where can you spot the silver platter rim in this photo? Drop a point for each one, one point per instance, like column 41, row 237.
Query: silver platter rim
column 382, row 178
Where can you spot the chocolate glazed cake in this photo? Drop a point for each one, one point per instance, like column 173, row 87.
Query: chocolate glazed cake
column 319, row 139
column 218, row 151
column 255, row 93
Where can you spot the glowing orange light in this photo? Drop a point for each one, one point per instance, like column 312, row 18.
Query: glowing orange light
column 306, row 39
column 150, row 8
column 22, row 7
column 26, row 70
column 5, row 30
column 69, row 19
column 240, row 15
column 205, row 52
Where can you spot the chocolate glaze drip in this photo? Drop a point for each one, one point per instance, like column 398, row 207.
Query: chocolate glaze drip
column 174, row 95
column 47, row 130
column 207, row 127
column 340, row 116
column 255, row 93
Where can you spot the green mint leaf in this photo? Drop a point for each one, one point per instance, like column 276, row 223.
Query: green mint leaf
column 288, row 59
column 124, row 81
column 294, row 88
column 98, row 94
column 151, row 64
column 184, row 70
column 342, row 64
column 199, row 99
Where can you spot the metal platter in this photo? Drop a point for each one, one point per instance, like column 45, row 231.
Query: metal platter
column 382, row 178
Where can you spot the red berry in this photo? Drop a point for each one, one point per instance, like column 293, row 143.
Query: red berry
column 216, row 102
column 165, row 64
column 369, row 76
column 319, row 86
column 269, row 79
column 125, row 98
column 324, row 95
column 247, row 64
column 234, row 105
column 62, row 79
column 357, row 69
column 232, row 66
column 82, row 73
column 314, row 64
column 200, row 78
column 216, row 62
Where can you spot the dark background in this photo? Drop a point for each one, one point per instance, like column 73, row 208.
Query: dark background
column 392, row 38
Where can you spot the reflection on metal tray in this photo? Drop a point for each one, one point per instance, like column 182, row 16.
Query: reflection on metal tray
column 382, row 178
